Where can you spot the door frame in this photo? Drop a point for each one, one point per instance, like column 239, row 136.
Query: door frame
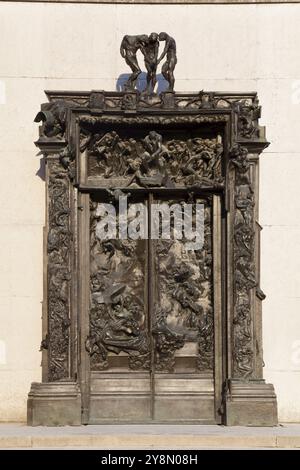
column 84, row 304
column 241, row 391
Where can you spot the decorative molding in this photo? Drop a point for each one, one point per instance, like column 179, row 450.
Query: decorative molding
column 164, row 120
column 53, row 115
column 59, row 274
column 243, row 264
column 162, row 2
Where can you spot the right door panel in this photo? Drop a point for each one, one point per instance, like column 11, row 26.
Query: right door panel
column 183, row 315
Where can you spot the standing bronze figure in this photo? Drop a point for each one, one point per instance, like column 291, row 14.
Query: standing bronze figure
column 150, row 52
column 169, row 66
column 129, row 47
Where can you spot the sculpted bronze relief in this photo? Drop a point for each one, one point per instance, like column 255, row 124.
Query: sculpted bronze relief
column 150, row 162
column 117, row 312
column 183, row 298
column 244, row 266
column 182, row 295
column 151, row 328
column 59, row 274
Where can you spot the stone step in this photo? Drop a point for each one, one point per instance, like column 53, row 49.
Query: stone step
column 148, row 437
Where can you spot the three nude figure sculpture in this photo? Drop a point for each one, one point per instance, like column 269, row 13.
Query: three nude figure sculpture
column 149, row 46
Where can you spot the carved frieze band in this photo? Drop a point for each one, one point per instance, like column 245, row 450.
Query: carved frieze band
column 154, row 119
column 245, row 108
column 244, row 264
column 58, row 250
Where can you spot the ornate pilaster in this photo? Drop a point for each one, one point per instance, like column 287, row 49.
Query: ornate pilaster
column 56, row 400
column 57, row 302
column 58, row 271
column 248, row 399
column 244, row 279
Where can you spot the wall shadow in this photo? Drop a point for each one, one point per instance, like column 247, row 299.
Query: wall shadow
column 41, row 173
column 161, row 85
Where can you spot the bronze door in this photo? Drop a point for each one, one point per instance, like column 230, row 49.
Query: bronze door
column 154, row 318
column 141, row 330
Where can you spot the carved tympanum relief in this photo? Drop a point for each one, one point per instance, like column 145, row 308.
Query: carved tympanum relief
column 153, row 161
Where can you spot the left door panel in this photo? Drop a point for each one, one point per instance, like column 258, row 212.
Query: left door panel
column 118, row 342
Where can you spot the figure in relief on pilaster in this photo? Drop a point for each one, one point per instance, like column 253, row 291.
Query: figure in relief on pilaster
column 58, row 272
column 244, row 264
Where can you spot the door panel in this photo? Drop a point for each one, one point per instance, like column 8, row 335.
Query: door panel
column 151, row 340
column 183, row 314
column 119, row 336
column 183, row 323
column 118, row 344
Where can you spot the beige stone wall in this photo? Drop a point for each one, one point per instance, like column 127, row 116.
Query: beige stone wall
column 75, row 46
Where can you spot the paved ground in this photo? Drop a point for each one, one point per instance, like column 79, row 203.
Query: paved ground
column 149, row 437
